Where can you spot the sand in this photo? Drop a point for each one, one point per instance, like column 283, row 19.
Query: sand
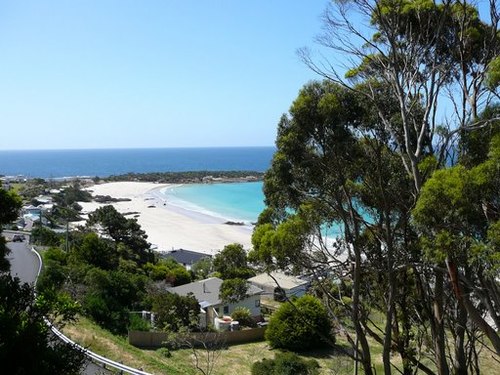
column 167, row 226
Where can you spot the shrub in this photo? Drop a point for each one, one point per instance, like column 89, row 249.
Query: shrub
column 243, row 316
column 138, row 324
column 299, row 325
column 286, row 364
column 164, row 352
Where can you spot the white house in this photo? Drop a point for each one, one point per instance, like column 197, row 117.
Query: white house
column 280, row 285
column 207, row 294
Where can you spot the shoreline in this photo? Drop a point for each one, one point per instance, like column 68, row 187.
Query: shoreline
column 167, row 195
column 169, row 226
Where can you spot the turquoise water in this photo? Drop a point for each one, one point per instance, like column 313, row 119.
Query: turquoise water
column 242, row 202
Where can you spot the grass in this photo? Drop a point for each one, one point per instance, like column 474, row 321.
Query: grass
column 118, row 349
column 236, row 359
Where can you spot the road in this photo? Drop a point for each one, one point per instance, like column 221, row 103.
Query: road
column 24, row 264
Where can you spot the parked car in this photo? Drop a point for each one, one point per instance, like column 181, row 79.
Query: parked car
column 18, row 238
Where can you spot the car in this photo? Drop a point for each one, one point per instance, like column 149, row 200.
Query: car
column 18, row 238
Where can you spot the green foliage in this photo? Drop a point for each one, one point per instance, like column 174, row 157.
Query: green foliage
column 31, row 188
column 97, row 252
column 286, row 364
column 25, row 342
column 493, row 78
column 10, row 203
column 475, row 145
column 110, row 295
column 202, row 269
column 136, row 323
column 300, row 325
column 183, row 177
column 71, row 195
column 9, row 207
column 168, row 270
column 174, row 312
column 43, row 236
column 123, row 231
column 283, row 244
column 233, row 290
column 232, row 263
column 243, row 316
column 164, row 352
column 457, row 212
column 53, row 276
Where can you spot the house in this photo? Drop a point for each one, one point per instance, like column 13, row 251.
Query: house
column 280, row 285
column 207, row 294
column 32, row 213
column 186, row 257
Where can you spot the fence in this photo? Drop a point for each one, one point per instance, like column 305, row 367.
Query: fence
column 156, row 339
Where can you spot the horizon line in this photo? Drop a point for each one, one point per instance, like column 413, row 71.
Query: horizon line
column 131, row 148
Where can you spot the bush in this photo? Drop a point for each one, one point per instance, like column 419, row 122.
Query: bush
column 299, row 325
column 243, row 316
column 164, row 352
column 138, row 324
column 286, row 364
column 45, row 237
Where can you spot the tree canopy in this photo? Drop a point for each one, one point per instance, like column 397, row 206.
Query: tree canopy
column 232, row 263
column 301, row 325
column 26, row 343
column 364, row 187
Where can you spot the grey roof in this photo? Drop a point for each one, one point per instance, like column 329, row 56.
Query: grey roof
column 285, row 282
column 207, row 291
column 186, row 256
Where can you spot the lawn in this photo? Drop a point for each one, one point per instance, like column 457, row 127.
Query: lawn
column 236, row 359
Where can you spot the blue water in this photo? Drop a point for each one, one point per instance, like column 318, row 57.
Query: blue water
column 107, row 162
column 242, row 202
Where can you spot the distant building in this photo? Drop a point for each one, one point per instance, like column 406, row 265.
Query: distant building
column 280, row 285
column 186, row 257
column 32, row 213
column 206, row 293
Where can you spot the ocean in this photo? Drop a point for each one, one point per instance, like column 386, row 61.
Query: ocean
column 237, row 202
column 107, row 162
column 240, row 202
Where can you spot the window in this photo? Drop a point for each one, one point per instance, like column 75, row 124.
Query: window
column 226, row 309
column 257, row 303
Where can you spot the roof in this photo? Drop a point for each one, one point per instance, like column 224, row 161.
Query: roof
column 186, row 256
column 206, row 291
column 285, row 282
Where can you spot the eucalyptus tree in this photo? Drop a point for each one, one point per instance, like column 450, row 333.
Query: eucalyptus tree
column 359, row 151
column 458, row 213
column 130, row 239
column 334, row 170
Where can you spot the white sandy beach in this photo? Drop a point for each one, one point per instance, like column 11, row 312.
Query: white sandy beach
column 170, row 227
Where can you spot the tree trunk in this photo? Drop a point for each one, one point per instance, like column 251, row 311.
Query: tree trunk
column 386, row 354
column 438, row 334
column 473, row 312
column 356, row 312
column 460, row 360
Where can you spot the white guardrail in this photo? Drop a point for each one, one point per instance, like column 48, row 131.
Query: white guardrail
column 103, row 361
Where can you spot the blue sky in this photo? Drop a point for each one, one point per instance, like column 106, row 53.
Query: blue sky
column 165, row 73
